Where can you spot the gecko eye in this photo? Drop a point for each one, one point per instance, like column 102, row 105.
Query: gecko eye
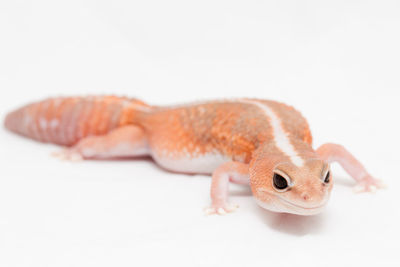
column 327, row 177
column 280, row 182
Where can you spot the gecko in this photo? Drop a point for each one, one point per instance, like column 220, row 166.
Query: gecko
column 263, row 144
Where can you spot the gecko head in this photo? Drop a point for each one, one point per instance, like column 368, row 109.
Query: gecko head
column 290, row 188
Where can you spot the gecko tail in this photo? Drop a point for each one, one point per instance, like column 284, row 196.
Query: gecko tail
column 66, row 120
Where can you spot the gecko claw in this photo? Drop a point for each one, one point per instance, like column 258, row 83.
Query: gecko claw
column 369, row 184
column 220, row 210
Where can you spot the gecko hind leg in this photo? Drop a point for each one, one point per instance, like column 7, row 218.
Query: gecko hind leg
column 337, row 153
column 126, row 141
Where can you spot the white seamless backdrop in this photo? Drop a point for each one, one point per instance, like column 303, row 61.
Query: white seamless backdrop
column 336, row 61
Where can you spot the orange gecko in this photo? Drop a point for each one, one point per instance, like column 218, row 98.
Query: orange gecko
column 264, row 144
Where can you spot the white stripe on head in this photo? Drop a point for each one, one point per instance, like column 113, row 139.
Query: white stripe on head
column 281, row 138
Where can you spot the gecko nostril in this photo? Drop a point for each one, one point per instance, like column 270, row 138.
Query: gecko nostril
column 305, row 196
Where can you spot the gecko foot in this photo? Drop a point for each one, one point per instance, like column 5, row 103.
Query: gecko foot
column 220, row 209
column 368, row 184
column 68, row 155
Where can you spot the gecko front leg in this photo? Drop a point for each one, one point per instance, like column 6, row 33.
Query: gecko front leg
column 126, row 141
column 235, row 172
column 337, row 153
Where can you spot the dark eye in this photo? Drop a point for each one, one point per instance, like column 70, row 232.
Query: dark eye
column 280, row 182
column 327, row 177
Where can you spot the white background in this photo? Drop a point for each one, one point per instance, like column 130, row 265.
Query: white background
column 336, row 61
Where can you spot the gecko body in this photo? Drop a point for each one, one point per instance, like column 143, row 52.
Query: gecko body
column 261, row 143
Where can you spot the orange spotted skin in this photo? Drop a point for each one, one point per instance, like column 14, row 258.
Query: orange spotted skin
column 228, row 127
column 232, row 128
column 65, row 121
column 205, row 128
column 293, row 122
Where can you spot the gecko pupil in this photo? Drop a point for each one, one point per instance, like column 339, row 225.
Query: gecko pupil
column 327, row 177
column 280, row 182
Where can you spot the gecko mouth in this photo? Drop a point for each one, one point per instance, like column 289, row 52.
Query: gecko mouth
column 296, row 208
column 299, row 206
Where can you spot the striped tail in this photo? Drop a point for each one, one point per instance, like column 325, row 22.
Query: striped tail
column 65, row 121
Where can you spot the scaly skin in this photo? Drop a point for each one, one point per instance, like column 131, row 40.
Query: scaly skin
column 245, row 141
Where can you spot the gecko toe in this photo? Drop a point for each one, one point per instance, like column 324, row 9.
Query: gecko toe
column 220, row 210
column 67, row 155
column 369, row 184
